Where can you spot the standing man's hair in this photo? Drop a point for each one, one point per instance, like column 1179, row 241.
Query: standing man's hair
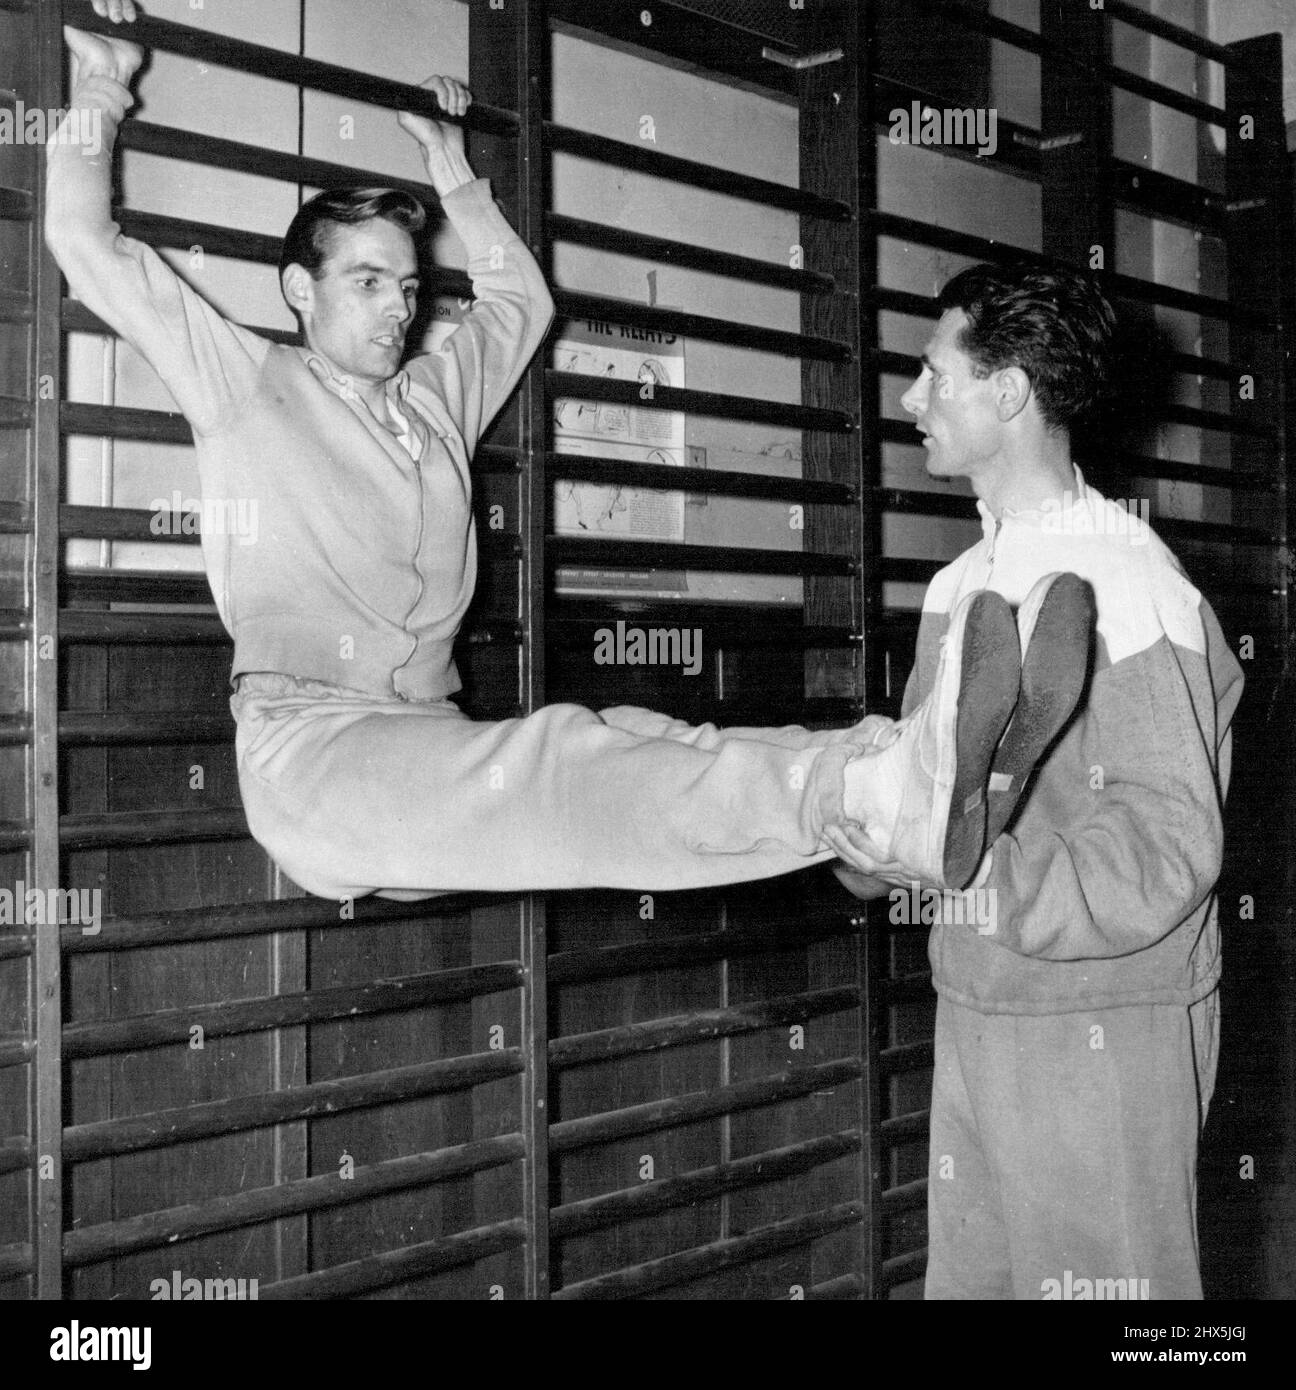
column 307, row 242
column 1055, row 325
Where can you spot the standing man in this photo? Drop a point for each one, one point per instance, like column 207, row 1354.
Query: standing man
column 1076, row 1033
column 357, row 773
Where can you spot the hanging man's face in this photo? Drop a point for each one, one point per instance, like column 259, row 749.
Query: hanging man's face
column 357, row 311
column 961, row 415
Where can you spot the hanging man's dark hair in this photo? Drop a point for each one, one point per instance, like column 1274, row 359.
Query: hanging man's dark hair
column 1056, row 325
column 307, row 242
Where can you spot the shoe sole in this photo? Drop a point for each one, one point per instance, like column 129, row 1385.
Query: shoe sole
column 1055, row 666
column 988, row 687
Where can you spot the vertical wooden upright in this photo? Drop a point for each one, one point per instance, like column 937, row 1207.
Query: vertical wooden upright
column 509, row 66
column 1075, row 134
column 1258, row 237
column 1260, row 954
column 836, row 124
column 46, row 387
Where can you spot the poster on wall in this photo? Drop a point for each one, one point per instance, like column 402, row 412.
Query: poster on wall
column 612, row 430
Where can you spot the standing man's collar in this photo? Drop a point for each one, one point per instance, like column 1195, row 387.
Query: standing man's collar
column 1068, row 500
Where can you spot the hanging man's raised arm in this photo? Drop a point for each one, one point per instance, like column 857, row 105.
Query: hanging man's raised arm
column 205, row 361
column 477, row 367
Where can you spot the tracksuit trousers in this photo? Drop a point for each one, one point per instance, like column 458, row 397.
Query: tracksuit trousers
column 1063, row 1158
column 352, row 794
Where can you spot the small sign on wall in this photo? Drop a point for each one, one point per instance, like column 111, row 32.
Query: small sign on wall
column 613, row 430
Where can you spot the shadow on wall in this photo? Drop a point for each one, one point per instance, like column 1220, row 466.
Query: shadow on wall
column 1246, row 1192
column 1142, row 386
column 1247, row 1168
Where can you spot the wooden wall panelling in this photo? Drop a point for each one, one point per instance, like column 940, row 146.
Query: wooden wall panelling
column 124, row 985
column 18, row 168
column 837, row 161
column 1247, row 1225
column 45, row 55
column 508, row 66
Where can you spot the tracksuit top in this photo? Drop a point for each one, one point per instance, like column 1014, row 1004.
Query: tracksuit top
column 1103, row 883
column 364, row 557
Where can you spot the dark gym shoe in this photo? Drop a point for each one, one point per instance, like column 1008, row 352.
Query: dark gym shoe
column 1056, row 624
column 922, row 798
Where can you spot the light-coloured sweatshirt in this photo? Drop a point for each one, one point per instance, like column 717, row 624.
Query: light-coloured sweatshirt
column 1103, row 886
column 364, row 557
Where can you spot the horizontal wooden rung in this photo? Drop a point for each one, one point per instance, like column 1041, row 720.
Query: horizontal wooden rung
column 904, row 1269
column 281, row 66
column 186, row 234
column 16, row 1049
column 223, row 921
column 580, row 386
column 74, row 317
column 698, row 1026
column 400, row 1266
column 718, row 634
column 140, row 628
column 671, row 952
column 718, row 1255
column 984, row 249
column 700, row 1185
column 600, row 236
column 677, row 1111
column 907, row 1057
column 84, row 586
column 905, row 1129
column 172, row 143
column 124, row 422
column 896, row 570
column 601, row 553
column 119, row 829
column 1139, row 18
column 14, row 835
column 15, row 1260
column 623, row 155
column 15, row 413
column 844, row 1288
column 15, row 306
column 909, row 1196
column 703, row 482
column 653, row 319
column 183, row 1124
column 15, row 1154
column 128, row 524
column 16, row 204
column 817, row 712
column 95, row 1038
column 702, row 1025
column 1182, row 528
column 1149, row 292
column 925, row 306
column 1162, row 95
column 151, row 1230
column 1161, row 196
column 905, row 989
column 98, row 729
column 1134, row 465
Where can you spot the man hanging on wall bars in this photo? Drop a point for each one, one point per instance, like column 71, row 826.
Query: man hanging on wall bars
column 357, row 773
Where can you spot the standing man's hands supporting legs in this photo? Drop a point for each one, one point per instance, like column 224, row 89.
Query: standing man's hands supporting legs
column 937, row 789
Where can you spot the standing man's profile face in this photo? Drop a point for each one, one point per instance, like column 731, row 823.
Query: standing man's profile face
column 358, row 309
column 960, row 413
